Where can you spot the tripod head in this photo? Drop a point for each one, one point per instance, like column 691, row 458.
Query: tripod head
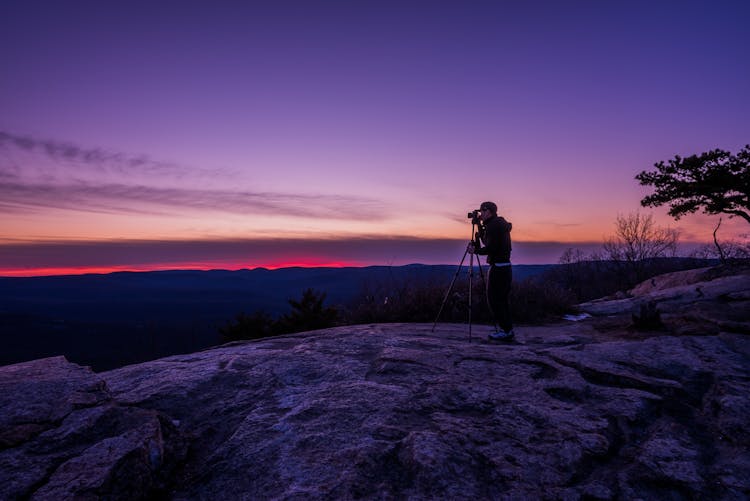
column 476, row 222
column 477, row 228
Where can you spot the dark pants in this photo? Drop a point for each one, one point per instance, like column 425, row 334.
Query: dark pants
column 498, row 290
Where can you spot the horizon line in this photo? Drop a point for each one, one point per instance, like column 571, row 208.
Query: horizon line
column 78, row 258
column 102, row 271
column 61, row 272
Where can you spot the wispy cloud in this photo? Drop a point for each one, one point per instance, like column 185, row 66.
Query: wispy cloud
column 101, row 160
column 17, row 197
column 122, row 190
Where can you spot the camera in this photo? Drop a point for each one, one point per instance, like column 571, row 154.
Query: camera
column 474, row 216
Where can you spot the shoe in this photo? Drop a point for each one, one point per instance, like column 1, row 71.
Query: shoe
column 502, row 335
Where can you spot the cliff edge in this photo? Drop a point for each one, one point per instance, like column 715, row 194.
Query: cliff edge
column 596, row 409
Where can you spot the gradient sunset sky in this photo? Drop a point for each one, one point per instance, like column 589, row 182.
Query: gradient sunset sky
column 155, row 135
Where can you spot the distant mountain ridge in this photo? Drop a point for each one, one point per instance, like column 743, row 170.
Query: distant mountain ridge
column 105, row 320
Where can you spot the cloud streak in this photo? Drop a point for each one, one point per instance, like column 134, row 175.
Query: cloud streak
column 114, row 188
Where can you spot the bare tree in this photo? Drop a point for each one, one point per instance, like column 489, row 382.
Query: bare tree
column 726, row 251
column 637, row 239
column 733, row 249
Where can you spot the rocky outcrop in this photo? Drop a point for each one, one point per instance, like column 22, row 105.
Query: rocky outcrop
column 696, row 302
column 570, row 411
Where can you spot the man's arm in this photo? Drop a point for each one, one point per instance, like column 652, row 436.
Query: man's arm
column 491, row 241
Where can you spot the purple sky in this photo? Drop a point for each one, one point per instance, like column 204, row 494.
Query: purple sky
column 144, row 135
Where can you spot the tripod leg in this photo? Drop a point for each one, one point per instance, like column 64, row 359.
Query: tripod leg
column 471, row 286
column 450, row 287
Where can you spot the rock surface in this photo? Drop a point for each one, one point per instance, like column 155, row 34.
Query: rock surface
column 64, row 436
column 584, row 410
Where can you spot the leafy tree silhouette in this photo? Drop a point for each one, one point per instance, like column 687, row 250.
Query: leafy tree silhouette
column 715, row 181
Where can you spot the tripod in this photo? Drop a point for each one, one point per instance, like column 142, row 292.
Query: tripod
column 473, row 241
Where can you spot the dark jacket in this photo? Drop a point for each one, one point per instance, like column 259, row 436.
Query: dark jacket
column 496, row 239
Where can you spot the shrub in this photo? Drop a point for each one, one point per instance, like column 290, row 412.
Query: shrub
column 307, row 314
column 540, row 300
column 531, row 301
column 396, row 301
column 255, row 326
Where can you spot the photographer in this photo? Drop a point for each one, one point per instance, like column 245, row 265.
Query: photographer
column 494, row 234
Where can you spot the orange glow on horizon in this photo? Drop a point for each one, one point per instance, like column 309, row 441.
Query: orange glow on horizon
column 104, row 270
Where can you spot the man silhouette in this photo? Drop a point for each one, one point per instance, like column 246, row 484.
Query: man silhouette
column 494, row 233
